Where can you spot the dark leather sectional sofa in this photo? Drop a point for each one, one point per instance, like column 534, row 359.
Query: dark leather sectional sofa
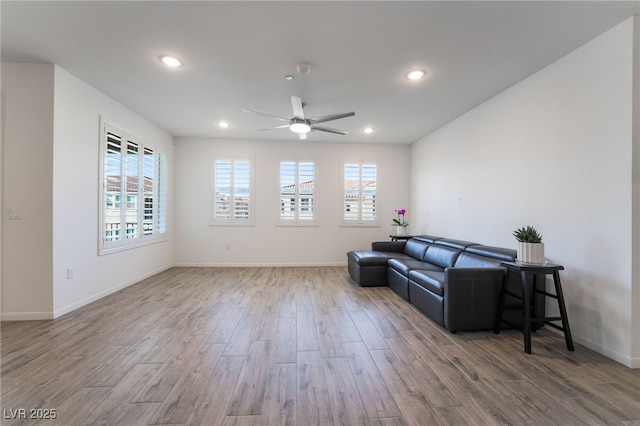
column 456, row 283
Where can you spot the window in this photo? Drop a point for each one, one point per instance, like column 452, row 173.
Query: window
column 232, row 192
column 297, row 192
column 133, row 192
column 161, row 210
column 359, row 201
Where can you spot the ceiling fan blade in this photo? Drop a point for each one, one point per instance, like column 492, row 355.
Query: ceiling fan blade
column 266, row 115
column 328, row 129
column 284, row 126
column 331, row 117
column 296, row 105
column 302, row 136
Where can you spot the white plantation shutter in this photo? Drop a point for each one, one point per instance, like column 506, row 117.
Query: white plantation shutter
column 222, row 184
column 232, row 192
column 241, row 190
column 149, row 181
column 297, row 192
column 129, row 196
column 368, row 192
column 360, row 193
column 132, row 183
column 161, row 218
column 112, row 184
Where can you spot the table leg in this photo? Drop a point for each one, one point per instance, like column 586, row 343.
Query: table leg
column 503, row 295
column 526, row 327
column 563, row 311
column 534, row 301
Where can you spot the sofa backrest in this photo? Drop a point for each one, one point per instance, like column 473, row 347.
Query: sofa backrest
column 442, row 256
column 427, row 238
column 468, row 260
column 456, row 244
column 479, row 256
column 500, row 253
column 415, row 248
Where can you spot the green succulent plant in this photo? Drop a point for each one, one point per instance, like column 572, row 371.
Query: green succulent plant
column 527, row 234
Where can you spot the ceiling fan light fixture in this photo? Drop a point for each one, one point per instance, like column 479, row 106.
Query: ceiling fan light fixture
column 223, row 124
column 170, row 61
column 299, row 126
column 368, row 130
column 415, row 75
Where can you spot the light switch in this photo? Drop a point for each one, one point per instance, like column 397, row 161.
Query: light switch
column 15, row 213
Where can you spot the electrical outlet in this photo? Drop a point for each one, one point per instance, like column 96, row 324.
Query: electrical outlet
column 70, row 272
column 459, row 198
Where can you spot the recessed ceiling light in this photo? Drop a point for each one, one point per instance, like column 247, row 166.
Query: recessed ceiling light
column 415, row 74
column 368, row 130
column 223, row 124
column 171, row 62
column 288, row 77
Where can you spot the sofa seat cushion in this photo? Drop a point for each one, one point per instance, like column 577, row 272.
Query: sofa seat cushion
column 431, row 280
column 368, row 258
column 401, row 256
column 405, row 265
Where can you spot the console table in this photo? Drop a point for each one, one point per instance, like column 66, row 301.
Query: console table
column 399, row 237
column 529, row 299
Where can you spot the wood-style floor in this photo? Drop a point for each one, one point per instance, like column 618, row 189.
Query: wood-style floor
column 298, row 346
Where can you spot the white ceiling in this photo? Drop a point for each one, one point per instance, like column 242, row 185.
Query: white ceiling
column 236, row 55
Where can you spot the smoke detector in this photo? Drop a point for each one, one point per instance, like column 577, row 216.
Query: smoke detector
column 304, row 69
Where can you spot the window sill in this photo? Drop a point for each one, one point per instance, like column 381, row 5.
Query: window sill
column 128, row 246
column 231, row 225
column 297, row 225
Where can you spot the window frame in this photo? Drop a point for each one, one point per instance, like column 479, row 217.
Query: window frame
column 122, row 198
column 232, row 221
column 359, row 221
column 298, row 197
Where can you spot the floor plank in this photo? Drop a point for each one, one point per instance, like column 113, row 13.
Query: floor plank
column 294, row 346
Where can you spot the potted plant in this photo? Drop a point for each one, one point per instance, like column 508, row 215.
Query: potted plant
column 400, row 223
column 530, row 245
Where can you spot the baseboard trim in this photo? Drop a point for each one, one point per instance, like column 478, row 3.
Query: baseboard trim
column 80, row 303
column 26, row 316
column 38, row 316
column 623, row 359
column 626, row 360
column 256, row 265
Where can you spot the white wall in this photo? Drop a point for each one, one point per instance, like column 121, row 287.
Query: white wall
column 555, row 152
column 78, row 108
column 635, row 318
column 50, row 170
column 27, row 144
column 197, row 243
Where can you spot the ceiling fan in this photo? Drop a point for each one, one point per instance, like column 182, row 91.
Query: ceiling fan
column 301, row 125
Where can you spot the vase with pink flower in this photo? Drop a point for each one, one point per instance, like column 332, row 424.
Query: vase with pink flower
column 400, row 222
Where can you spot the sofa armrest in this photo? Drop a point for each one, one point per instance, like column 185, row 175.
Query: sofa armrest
column 471, row 297
column 389, row 246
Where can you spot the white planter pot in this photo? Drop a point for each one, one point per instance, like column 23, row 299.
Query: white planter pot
column 532, row 253
column 400, row 230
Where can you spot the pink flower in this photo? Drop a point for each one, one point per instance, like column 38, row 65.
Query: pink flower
column 399, row 221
